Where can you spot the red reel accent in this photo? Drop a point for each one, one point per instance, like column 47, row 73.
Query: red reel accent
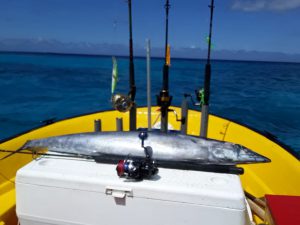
column 120, row 168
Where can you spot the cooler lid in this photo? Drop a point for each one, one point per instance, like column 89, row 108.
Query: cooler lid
column 192, row 187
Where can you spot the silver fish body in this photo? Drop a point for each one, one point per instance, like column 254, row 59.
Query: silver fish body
column 171, row 146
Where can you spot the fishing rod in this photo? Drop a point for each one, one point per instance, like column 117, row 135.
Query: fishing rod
column 132, row 87
column 125, row 103
column 37, row 154
column 164, row 99
column 207, row 78
column 115, row 159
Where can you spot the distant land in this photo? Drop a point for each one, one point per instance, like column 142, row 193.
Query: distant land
column 84, row 48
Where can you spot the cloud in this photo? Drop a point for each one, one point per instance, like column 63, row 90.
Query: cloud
column 259, row 5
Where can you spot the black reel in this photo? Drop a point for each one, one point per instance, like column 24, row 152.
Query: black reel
column 138, row 168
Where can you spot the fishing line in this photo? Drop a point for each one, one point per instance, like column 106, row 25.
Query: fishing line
column 155, row 121
column 6, row 178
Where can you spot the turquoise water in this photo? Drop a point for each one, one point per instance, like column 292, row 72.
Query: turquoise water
column 35, row 87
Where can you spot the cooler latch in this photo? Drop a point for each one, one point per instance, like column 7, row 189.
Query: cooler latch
column 118, row 192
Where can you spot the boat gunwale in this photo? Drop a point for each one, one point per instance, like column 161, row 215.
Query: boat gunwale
column 265, row 134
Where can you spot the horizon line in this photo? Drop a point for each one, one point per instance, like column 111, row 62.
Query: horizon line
column 138, row 56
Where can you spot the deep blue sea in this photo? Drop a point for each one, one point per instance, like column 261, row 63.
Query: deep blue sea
column 36, row 87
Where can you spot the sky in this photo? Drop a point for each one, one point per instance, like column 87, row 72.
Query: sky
column 267, row 27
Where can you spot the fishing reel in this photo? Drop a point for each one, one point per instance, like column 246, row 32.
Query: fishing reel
column 138, row 168
column 199, row 97
column 122, row 103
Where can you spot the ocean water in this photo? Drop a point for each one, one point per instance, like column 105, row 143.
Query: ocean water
column 36, row 87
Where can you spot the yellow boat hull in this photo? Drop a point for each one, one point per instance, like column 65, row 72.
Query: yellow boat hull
column 281, row 176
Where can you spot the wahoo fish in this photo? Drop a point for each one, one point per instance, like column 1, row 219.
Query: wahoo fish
column 171, row 146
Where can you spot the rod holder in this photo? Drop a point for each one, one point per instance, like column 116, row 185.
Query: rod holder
column 149, row 83
column 184, row 116
column 97, row 126
column 119, row 122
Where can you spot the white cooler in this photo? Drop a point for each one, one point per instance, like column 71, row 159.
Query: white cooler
column 70, row 191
